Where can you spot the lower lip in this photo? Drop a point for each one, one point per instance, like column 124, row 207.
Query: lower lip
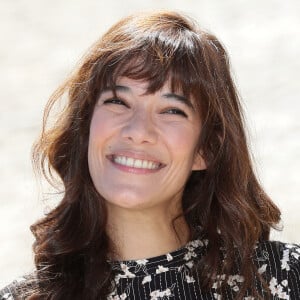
column 134, row 170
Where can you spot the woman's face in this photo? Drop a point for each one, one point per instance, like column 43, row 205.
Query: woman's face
column 142, row 148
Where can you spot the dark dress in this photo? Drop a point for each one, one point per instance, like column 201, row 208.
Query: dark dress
column 169, row 276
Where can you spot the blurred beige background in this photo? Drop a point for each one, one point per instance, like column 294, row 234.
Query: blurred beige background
column 42, row 40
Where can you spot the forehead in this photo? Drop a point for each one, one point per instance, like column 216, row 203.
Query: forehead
column 133, row 84
column 145, row 69
column 139, row 86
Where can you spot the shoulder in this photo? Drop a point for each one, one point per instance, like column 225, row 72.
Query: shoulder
column 279, row 264
column 19, row 289
column 287, row 255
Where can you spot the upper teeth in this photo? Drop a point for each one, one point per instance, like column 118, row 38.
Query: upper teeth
column 135, row 163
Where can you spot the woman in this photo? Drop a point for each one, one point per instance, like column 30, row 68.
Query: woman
column 160, row 198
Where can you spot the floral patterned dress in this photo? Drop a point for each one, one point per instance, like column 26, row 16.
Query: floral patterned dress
column 169, row 276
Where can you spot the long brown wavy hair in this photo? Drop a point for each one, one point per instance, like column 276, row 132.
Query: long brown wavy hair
column 226, row 200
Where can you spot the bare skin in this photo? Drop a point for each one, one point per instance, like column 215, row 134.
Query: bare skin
column 139, row 234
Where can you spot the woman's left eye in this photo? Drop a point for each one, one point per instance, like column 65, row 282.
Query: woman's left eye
column 175, row 111
column 115, row 101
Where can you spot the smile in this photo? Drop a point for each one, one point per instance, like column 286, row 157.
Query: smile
column 135, row 163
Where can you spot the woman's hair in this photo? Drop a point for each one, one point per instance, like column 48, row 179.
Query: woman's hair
column 225, row 201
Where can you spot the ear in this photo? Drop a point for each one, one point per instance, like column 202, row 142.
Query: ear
column 199, row 162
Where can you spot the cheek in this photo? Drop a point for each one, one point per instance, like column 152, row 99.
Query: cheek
column 95, row 126
column 99, row 129
column 182, row 140
column 96, row 141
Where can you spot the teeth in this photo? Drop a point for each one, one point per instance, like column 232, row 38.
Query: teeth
column 136, row 163
column 129, row 162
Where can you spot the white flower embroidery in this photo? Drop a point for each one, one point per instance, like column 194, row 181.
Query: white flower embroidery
column 180, row 268
column 195, row 243
column 262, row 269
column 161, row 269
column 217, row 284
column 288, row 254
column 8, row 296
column 117, row 279
column 189, row 279
column 219, row 279
column 127, row 273
column 169, row 257
column 285, row 260
column 146, row 279
column 154, row 294
column 142, row 262
column 277, row 288
column 190, row 264
column 284, row 282
column 217, row 296
column 296, row 255
column 157, row 294
column 117, row 297
column 233, row 281
column 236, row 288
column 189, row 255
column 239, row 278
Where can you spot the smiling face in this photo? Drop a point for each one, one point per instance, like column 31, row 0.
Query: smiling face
column 142, row 147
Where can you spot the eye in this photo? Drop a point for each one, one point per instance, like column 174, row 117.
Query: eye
column 175, row 111
column 115, row 101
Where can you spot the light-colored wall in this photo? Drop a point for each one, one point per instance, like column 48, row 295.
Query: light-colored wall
column 40, row 43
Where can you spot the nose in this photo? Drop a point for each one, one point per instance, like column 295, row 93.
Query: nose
column 140, row 128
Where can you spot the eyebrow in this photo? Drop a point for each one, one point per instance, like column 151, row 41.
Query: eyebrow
column 179, row 98
column 119, row 88
column 171, row 96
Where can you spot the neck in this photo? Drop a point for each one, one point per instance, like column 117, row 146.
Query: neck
column 138, row 234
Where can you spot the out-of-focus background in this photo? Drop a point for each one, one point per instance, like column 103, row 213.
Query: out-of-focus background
column 40, row 42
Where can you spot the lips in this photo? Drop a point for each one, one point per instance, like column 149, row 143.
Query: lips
column 135, row 163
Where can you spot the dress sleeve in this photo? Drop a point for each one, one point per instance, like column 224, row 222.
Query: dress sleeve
column 279, row 264
column 19, row 289
column 294, row 273
column 7, row 293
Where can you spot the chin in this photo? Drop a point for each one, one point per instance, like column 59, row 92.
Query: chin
column 128, row 206
column 127, row 202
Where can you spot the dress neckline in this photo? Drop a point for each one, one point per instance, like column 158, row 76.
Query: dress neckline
column 184, row 255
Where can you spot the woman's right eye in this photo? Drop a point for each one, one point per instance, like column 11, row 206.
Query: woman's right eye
column 115, row 101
